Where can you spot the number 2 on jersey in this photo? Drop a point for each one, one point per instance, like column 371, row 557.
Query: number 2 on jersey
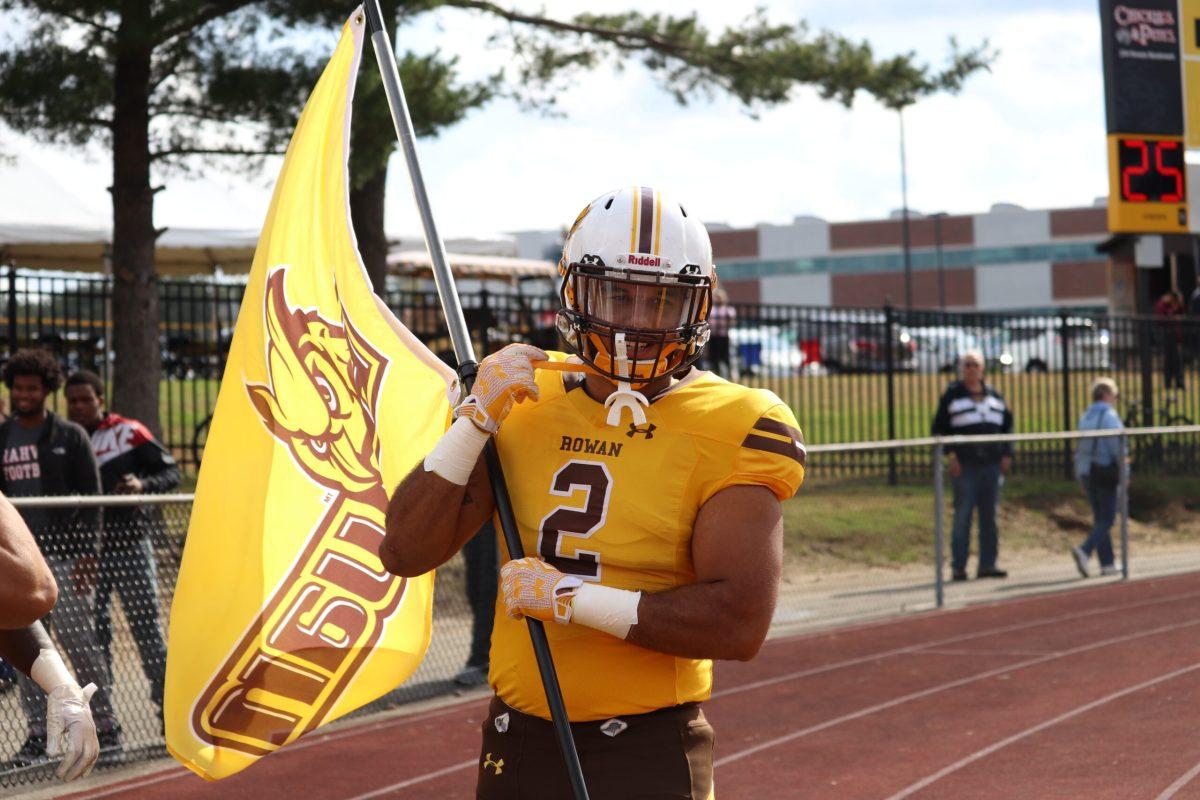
column 593, row 477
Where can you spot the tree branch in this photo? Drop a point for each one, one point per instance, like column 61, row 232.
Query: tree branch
column 176, row 152
column 57, row 10
column 607, row 34
column 203, row 16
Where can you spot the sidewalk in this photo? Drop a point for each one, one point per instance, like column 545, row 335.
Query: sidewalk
column 827, row 599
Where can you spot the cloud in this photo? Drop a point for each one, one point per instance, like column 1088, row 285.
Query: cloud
column 1031, row 132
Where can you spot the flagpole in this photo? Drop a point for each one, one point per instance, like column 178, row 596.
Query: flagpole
column 464, row 352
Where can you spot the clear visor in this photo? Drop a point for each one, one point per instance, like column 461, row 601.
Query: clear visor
column 638, row 305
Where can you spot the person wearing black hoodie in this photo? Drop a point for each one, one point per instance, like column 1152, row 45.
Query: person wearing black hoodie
column 44, row 454
column 131, row 461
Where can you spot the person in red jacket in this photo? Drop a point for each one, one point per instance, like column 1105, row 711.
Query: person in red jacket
column 131, row 461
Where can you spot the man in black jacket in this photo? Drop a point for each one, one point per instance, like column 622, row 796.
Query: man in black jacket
column 131, row 461
column 44, row 454
column 970, row 407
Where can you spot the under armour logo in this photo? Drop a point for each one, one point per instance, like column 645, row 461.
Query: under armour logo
column 690, row 269
column 497, row 765
column 634, row 430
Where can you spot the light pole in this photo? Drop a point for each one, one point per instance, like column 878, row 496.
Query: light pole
column 937, row 235
column 907, row 242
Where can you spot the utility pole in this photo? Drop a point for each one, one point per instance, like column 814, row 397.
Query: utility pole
column 904, row 217
column 941, row 275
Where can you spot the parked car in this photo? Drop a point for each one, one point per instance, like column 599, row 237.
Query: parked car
column 860, row 346
column 1036, row 345
column 939, row 348
column 765, row 350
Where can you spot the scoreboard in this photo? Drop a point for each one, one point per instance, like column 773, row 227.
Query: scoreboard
column 1145, row 44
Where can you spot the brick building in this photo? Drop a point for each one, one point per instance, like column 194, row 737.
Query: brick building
column 1006, row 259
column 1009, row 258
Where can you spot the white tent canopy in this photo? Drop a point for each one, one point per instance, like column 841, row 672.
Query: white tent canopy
column 202, row 251
column 180, row 251
column 470, row 265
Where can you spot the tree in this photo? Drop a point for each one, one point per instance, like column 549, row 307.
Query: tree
column 176, row 84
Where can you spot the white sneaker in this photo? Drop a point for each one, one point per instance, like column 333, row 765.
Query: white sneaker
column 1111, row 569
column 1081, row 560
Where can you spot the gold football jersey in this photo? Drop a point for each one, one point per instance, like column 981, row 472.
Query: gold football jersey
column 616, row 505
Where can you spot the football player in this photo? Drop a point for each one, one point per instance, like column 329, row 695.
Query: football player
column 28, row 592
column 647, row 494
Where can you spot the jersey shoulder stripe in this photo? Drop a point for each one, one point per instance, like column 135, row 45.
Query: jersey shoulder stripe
column 773, row 436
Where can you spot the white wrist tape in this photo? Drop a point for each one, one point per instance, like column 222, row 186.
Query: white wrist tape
column 455, row 454
column 49, row 671
column 604, row 608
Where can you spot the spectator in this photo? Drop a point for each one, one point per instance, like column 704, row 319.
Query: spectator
column 1193, row 311
column 481, row 559
column 720, row 320
column 131, row 462
column 1170, row 308
column 1098, row 464
column 44, row 454
column 970, row 407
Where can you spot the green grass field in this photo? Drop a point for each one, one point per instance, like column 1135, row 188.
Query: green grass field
column 867, row 523
column 850, row 408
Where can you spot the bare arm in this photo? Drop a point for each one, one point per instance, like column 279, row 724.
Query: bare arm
column 27, row 589
column 21, row 647
column 444, row 500
column 737, row 550
column 429, row 519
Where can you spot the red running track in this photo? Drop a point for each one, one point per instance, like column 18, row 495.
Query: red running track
column 1084, row 694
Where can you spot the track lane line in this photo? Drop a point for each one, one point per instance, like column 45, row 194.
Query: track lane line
column 395, row 787
column 908, row 791
column 865, row 712
column 1183, row 781
column 175, row 772
column 851, row 662
column 133, row 783
column 901, row 617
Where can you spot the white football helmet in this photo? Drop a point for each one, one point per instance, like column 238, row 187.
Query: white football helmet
column 637, row 280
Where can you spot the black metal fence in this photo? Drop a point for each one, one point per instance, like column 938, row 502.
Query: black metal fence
column 849, row 374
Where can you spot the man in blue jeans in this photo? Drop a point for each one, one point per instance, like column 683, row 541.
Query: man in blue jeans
column 969, row 407
column 1098, row 464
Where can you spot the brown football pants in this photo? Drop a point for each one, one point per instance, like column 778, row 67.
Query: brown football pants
column 662, row 755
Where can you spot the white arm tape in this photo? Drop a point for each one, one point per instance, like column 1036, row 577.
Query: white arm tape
column 455, row 454
column 604, row 608
column 49, row 671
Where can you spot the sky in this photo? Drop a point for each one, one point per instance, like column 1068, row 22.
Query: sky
column 1030, row 132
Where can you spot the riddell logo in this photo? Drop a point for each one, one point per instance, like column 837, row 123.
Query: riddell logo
column 636, row 260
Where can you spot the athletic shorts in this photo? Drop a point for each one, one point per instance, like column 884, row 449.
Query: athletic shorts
column 664, row 755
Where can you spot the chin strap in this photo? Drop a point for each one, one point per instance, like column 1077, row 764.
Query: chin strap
column 625, row 397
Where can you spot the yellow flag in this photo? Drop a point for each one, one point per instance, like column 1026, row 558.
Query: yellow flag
column 283, row 617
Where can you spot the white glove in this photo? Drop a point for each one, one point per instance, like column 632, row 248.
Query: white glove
column 70, row 730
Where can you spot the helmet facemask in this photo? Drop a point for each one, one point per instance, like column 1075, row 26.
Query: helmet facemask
column 658, row 321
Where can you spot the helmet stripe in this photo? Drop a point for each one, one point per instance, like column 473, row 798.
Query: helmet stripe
column 633, row 222
column 657, row 223
column 646, row 226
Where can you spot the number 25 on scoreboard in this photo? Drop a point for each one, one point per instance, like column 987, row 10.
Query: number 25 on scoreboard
column 1147, row 184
